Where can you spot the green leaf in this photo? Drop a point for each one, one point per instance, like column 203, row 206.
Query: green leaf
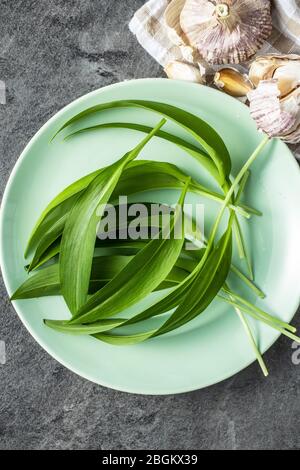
column 78, row 240
column 204, row 134
column 43, row 283
column 140, row 277
column 180, row 289
column 200, row 292
column 46, row 282
column 74, row 189
column 47, row 241
column 124, row 340
column 193, row 150
column 46, row 256
column 45, row 253
column 139, row 176
column 102, row 325
column 57, row 208
column 205, row 287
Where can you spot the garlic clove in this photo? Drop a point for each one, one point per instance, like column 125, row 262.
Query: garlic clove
column 189, row 54
column 261, row 69
column 264, row 67
column 172, row 20
column 288, row 77
column 231, row 81
column 271, row 116
column 177, row 70
column 227, row 31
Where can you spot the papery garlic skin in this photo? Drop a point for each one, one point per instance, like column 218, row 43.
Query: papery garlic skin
column 177, row 70
column 176, row 34
column 228, row 31
column 291, row 104
column 232, row 82
column 271, row 115
column 172, row 20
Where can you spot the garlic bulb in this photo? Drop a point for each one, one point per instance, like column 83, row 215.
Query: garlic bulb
column 226, row 31
column 182, row 71
column 233, row 82
column 277, row 118
column 284, row 68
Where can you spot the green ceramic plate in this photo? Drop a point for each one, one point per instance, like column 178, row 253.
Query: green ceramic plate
column 213, row 346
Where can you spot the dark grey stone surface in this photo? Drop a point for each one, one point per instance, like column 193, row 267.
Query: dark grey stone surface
column 51, row 53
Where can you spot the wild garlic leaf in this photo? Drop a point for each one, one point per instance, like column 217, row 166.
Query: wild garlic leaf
column 205, row 287
column 78, row 240
column 124, row 340
column 199, row 294
column 203, row 133
column 193, row 150
column 46, row 282
column 46, row 256
column 100, row 326
column 44, row 253
column 139, row 176
column 59, row 206
column 74, row 189
column 141, row 276
column 43, row 283
column 48, row 239
column 143, row 176
column 71, row 192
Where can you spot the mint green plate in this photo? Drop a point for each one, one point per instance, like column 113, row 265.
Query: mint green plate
column 213, row 346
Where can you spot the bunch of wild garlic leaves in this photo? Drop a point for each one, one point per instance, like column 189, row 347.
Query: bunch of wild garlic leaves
column 96, row 287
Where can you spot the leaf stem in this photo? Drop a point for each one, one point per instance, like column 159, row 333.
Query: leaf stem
column 227, row 200
column 234, row 185
column 137, row 150
column 243, row 252
column 248, row 282
column 252, row 340
column 244, row 211
column 253, row 314
column 259, row 311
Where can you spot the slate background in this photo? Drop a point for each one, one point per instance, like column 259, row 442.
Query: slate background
column 51, row 53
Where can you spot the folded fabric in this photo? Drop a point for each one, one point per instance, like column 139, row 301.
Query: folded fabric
column 286, row 17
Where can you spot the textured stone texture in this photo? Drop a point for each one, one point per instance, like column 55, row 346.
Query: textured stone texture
column 51, row 53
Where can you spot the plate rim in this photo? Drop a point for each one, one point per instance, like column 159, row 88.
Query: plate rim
column 40, row 341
